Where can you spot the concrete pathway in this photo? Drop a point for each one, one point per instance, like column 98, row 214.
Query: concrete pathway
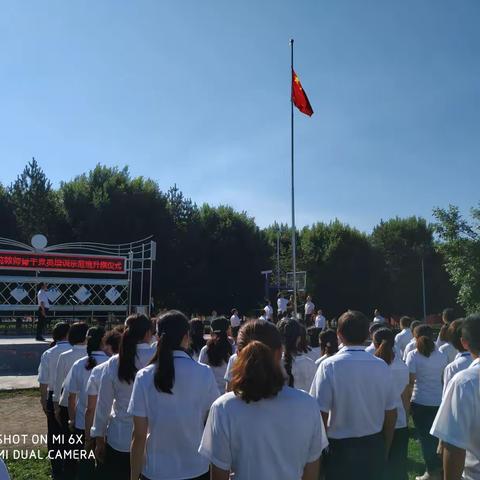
column 16, row 382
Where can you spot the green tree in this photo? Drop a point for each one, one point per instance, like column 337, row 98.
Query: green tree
column 7, row 218
column 343, row 269
column 37, row 206
column 402, row 243
column 460, row 248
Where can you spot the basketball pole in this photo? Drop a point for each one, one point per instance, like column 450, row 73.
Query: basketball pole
column 294, row 240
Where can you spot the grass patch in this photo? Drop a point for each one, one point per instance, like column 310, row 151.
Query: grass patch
column 33, row 469
column 26, row 392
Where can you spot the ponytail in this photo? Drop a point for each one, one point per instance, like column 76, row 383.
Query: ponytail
column 171, row 330
column 425, row 343
column 94, row 343
column 291, row 335
column 256, row 374
column 384, row 342
column 328, row 342
column 137, row 327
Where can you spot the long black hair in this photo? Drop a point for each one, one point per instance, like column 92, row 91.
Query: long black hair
column 137, row 326
column 94, row 342
column 171, row 330
column 291, row 331
column 219, row 349
column 328, row 342
column 197, row 330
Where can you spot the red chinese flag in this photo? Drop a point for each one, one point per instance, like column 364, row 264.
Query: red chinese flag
column 299, row 97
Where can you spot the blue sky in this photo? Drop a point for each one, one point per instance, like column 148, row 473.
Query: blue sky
column 197, row 93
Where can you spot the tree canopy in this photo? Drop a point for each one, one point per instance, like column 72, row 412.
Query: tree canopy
column 211, row 257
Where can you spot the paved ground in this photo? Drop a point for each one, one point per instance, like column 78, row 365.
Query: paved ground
column 12, row 340
column 17, row 382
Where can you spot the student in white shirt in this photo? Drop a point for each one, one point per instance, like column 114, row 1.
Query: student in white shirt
column 320, row 320
column 412, row 344
column 358, row 400
column 448, row 348
column 282, row 305
column 263, row 429
column 371, row 330
column 112, row 424
column 448, row 316
column 328, row 345
column 111, row 347
column 217, row 351
column 309, row 309
column 426, row 365
column 403, row 338
column 299, row 368
column 169, row 404
column 457, row 423
column 378, row 318
column 384, row 342
column 46, row 379
column 235, row 322
column 78, row 349
column 463, row 358
column 196, row 335
column 268, row 311
column 80, row 373
column 43, row 308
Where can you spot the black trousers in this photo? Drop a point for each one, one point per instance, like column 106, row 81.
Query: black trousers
column 70, row 465
column 41, row 322
column 397, row 458
column 423, row 417
column 53, row 428
column 361, row 458
column 205, row 476
column 117, row 464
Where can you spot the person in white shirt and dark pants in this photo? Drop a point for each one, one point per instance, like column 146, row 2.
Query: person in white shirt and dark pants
column 309, row 311
column 235, row 322
column 170, row 402
column 457, row 423
column 43, row 308
column 403, row 338
column 358, row 401
column 112, row 424
column 263, row 429
column 46, row 379
column 426, row 365
column 384, row 342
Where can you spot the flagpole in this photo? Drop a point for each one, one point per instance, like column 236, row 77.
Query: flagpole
column 294, row 240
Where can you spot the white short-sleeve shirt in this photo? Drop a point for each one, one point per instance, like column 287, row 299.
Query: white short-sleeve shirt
column 48, row 364
column 275, row 449
column 355, row 388
column 175, row 421
column 411, row 346
column 303, row 371
column 235, row 321
column 402, row 339
column 93, row 384
column 309, row 308
column 268, row 312
column 449, row 350
column 401, row 379
column 320, row 321
column 314, row 353
column 282, row 304
column 228, row 371
column 42, row 297
column 3, row 471
column 428, row 372
column 458, row 418
column 64, row 364
column 461, row 362
column 111, row 417
column 218, row 371
column 78, row 385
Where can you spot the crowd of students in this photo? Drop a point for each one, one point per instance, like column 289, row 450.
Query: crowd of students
column 155, row 400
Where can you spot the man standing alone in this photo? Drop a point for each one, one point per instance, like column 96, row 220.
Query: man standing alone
column 43, row 307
